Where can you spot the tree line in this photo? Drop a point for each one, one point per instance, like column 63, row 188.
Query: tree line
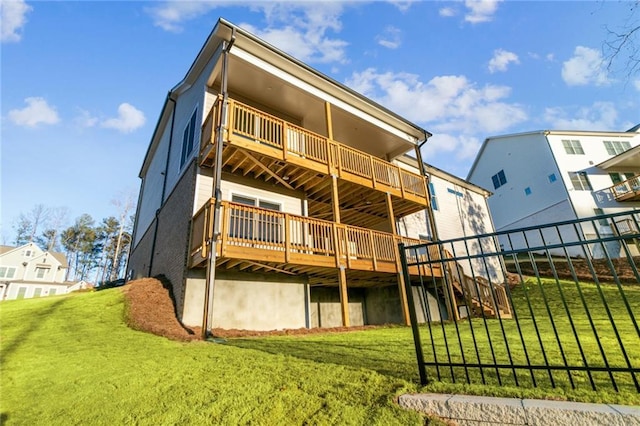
column 95, row 251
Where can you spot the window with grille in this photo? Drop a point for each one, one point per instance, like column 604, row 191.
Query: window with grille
column 499, row 179
column 580, row 181
column 617, row 147
column 572, row 147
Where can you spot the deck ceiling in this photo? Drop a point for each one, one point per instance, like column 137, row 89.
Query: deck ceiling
column 318, row 276
column 359, row 205
column 265, row 91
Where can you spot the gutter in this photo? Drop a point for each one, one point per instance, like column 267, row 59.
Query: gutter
column 164, row 183
column 432, row 220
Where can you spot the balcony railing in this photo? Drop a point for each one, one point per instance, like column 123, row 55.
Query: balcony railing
column 627, row 190
column 260, row 132
column 262, row 235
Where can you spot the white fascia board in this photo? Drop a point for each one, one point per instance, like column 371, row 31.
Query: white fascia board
column 277, row 72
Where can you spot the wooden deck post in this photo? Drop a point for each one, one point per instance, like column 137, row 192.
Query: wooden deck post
column 401, row 286
column 342, row 275
column 344, row 296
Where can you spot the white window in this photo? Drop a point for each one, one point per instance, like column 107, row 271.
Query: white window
column 28, row 253
column 188, row 139
column 41, row 272
column 616, row 147
column 572, row 147
column 580, row 181
column 7, row 272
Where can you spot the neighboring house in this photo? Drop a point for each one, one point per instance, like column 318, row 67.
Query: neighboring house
column 28, row 271
column 271, row 195
column 551, row 176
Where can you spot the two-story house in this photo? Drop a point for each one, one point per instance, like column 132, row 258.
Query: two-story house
column 28, row 271
column 271, row 195
column 552, row 176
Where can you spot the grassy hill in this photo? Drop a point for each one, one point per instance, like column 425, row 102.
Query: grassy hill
column 73, row 360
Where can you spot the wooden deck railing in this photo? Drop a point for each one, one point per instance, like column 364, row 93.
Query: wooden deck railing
column 264, row 235
column 628, row 189
column 256, row 130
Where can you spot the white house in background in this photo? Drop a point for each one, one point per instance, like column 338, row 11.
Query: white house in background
column 460, row 211
column 28, row 271
column 550, row 176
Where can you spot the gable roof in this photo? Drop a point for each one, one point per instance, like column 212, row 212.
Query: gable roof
column 225, row 31
column 545, row 133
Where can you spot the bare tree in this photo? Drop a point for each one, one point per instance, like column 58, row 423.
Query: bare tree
column 39, row 215
column 623, row 42
column 125, row 203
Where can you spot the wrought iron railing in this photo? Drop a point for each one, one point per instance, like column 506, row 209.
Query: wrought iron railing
column 574, row 297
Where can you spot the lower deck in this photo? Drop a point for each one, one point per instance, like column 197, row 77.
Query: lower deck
column 260, row 240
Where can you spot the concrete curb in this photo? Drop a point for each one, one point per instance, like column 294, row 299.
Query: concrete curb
column 482, row 410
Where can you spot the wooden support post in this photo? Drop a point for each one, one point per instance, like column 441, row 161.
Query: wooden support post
column 342, row 275
column 327, row 109
column 401, row 286
column 344, row 297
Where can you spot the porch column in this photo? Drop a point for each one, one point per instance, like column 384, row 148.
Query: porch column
column 342, row 274
column 401, row 287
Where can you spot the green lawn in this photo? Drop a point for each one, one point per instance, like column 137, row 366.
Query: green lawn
column 72, row 360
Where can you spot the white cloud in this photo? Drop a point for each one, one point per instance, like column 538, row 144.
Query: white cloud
column 501, row 60
column 129, row 119
column 298, row 28
column 585, row 67
column 85, row 119
column 391, row 38
column 13, row 14
column 599, row 116
column 402, row 5
column 447, row 12
column 480, row 10
column 171, row 14
column 37, row 111
column 447, row 105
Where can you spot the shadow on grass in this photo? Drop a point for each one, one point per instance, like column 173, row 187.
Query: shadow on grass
column 29, row 327
column 376, row 356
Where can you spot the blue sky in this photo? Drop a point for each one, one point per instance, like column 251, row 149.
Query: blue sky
column 83, row 82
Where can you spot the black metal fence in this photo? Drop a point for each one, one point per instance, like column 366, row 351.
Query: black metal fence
column 549, row 306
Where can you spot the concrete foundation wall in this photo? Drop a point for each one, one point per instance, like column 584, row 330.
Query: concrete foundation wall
column 370, row 306
column 326, row 311
column 259, row 301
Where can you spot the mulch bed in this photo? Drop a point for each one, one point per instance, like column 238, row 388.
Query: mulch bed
column 151, row 309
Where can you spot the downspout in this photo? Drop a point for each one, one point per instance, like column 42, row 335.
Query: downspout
column 432, row 220
column 207, row 317
column 164, row 183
